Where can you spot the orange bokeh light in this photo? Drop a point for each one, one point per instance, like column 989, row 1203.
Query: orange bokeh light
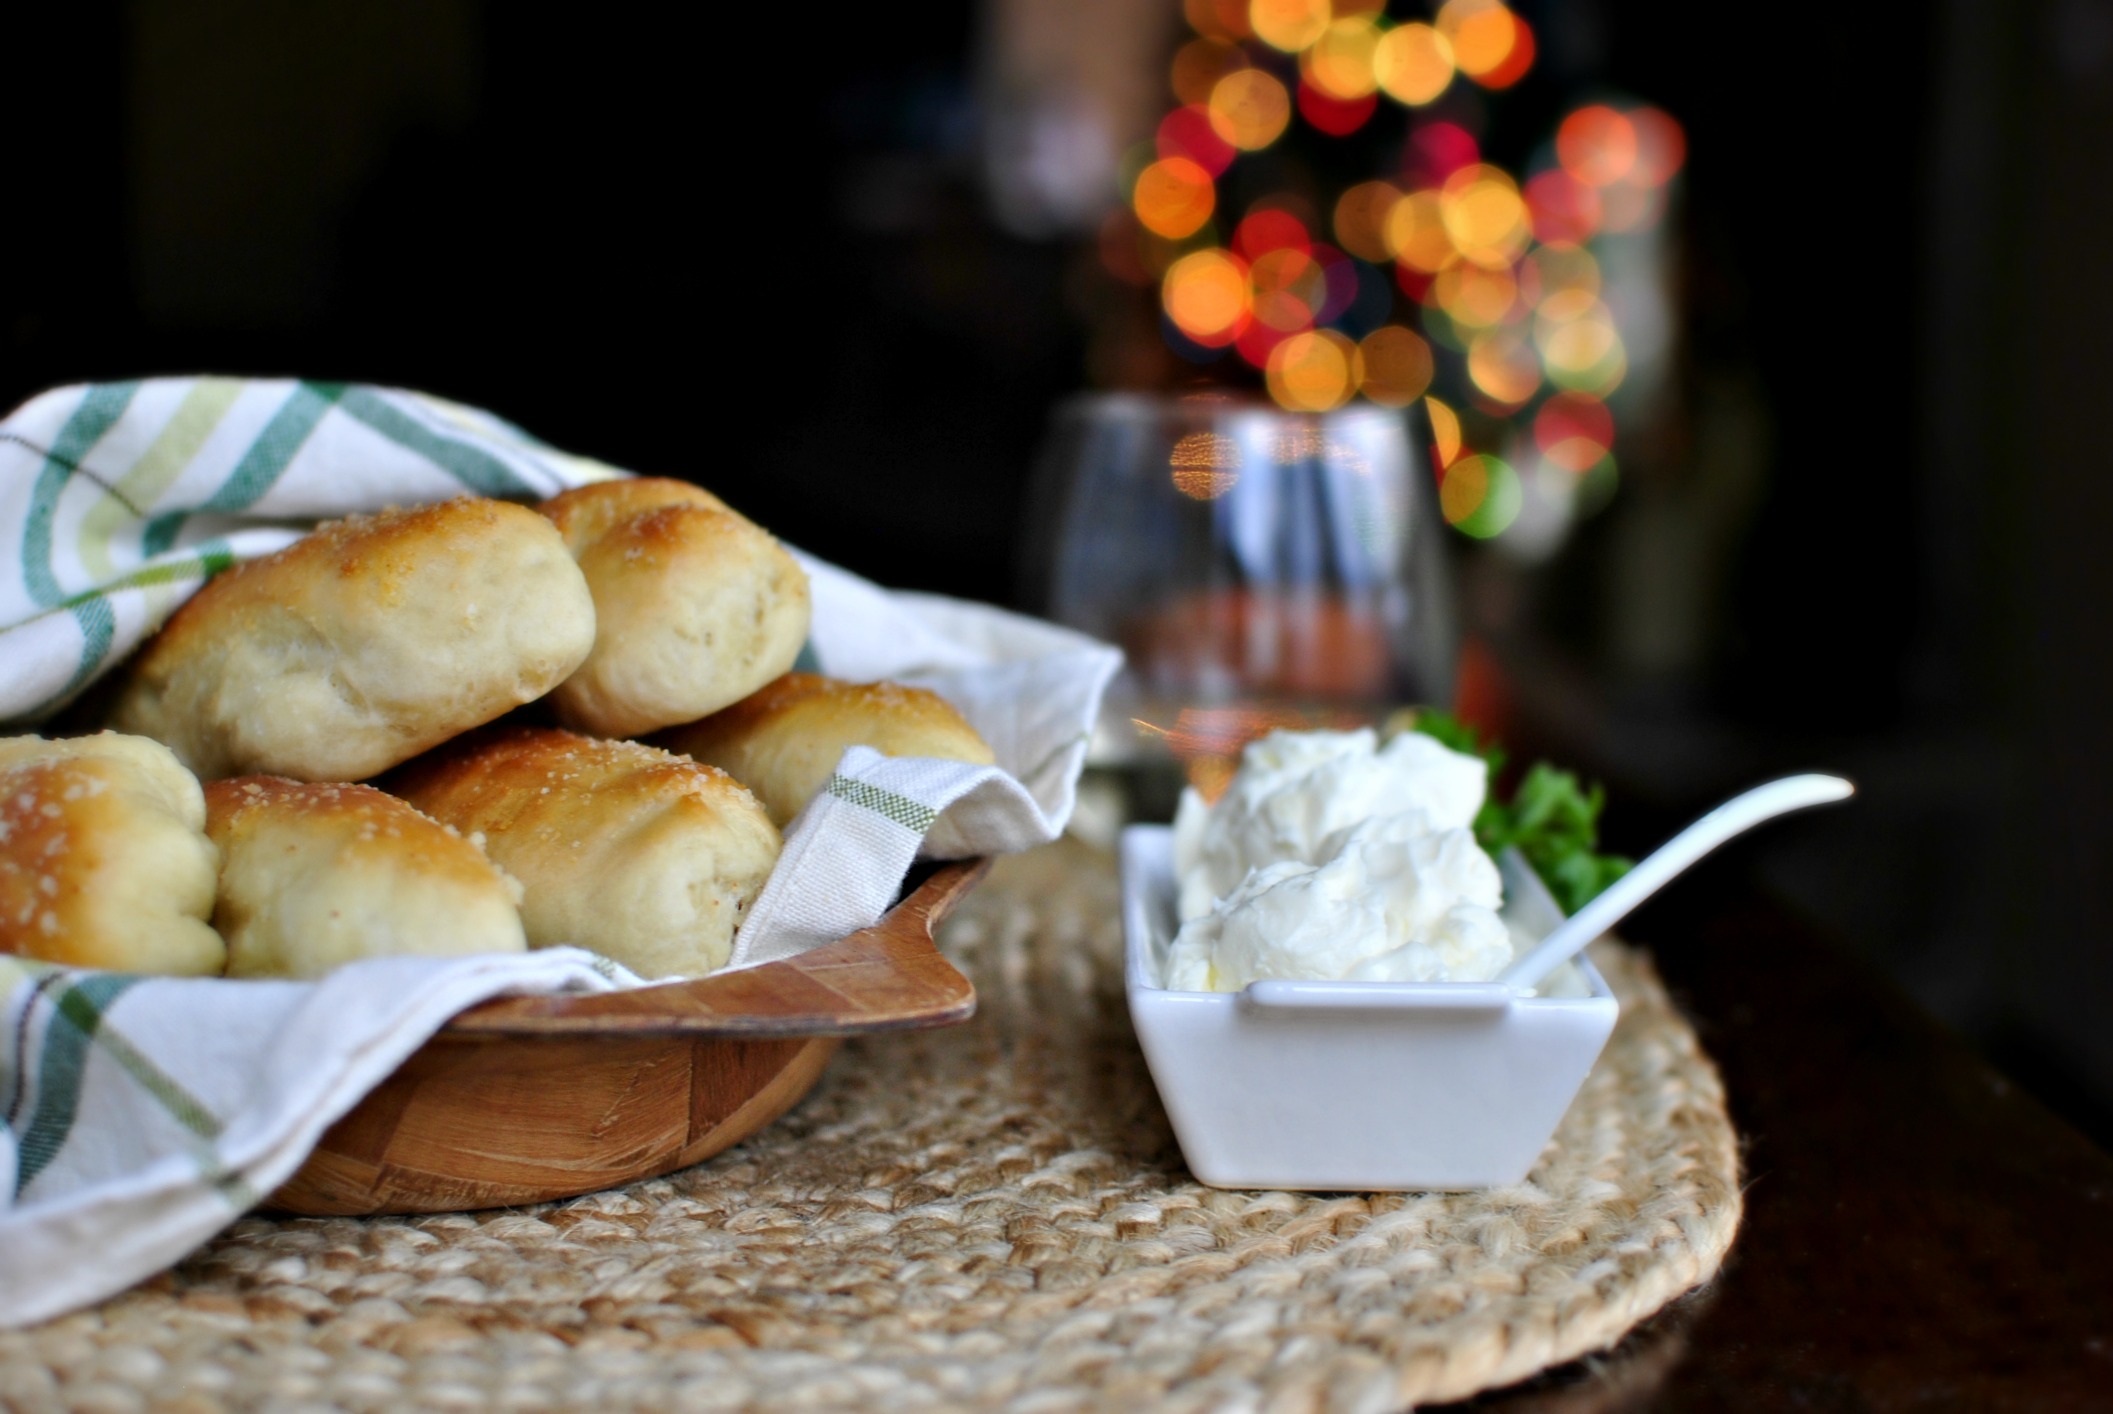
column 1250, row 109
column 1173, row 197
column 1484, row 215
column 1445, row 431
column 1502, row 365
column 1290, row 25
column 1340, row 62
column 1361, row 220
column 1483, row 34
column 1393, row 366
column 1596, row 145
column 1199, row 64
column 1205, row 293
column 1310, row 372
column 1219, row 19
column 1477, row 297
column 1413, row 63
column 1415, row 233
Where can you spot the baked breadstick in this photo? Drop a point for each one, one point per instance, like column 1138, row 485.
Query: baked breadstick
column 314, row 875
column 104, row 860
column 697, row 606
column 643, row 857
column 362, row 645
column 783, row 742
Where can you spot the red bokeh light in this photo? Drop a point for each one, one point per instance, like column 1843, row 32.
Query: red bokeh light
column 1337, row 117
column 1574, row 430
column 1257, row 341
column 1563, row 209
column 1437, row 150
column 1270, row 228
column 1187, row 132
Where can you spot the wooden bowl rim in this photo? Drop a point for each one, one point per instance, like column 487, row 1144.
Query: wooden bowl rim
column 889, row 977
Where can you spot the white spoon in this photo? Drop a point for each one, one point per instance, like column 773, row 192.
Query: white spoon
column 1734, row 817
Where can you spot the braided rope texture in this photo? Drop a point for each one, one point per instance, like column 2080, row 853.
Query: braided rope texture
column 991, row 1216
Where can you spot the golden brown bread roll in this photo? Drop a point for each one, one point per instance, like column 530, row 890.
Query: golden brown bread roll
column 318, row 874
column 697, row 606
column 783, row 742
column 639, row 855
column 104, row 860
column 363, row 644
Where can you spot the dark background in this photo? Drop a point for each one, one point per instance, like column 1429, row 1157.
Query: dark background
column 755, row 249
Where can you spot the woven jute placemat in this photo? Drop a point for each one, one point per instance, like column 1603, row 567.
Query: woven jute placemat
column 989, row 1216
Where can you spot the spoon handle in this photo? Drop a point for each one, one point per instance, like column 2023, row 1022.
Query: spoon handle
column 1734, row 817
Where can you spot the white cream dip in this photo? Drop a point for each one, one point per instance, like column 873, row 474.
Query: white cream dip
column 1329, row 857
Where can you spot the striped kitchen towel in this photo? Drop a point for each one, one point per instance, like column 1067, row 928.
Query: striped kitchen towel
column 138, row 1116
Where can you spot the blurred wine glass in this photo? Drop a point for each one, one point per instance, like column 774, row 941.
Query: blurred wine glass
column 1259, row 568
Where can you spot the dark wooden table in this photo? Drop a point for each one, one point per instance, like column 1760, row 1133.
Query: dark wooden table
column 1919, row 1234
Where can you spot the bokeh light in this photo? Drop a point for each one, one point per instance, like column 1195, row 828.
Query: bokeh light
column 1562, row 209
column 1413, row 63
column 1415, row 233
column 1205, row 465
column 1445, row 431
column 1596, row 145
column 1480, row 495
column 1219, row 19
column 1337, row 117
column 1340, row 283
column 1484, row 277
column 1187, row 132
column 1475, row 296
column 1661, row 146
column 1310, row 372
column 1268, row 228
column 1289, row 288
column 1516, row 64
column 1174, row 197
column 1484, row 35
column 1573, row 431
column 1502, row 366
column 1484, row 215
column 1437, row 150
column 1206, row 295
column 1583, row 354
column 1340, row 62
column 1250, row 108
column 1393, row 366
column 1290, row 25
column 1559, row 272
column 1257, row 342
column 1361, row 220
column 1199, row 64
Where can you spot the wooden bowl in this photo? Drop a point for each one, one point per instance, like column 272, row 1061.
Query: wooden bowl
column 524, row 1099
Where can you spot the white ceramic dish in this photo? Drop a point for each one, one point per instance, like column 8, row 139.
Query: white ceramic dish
column 1357, row 1085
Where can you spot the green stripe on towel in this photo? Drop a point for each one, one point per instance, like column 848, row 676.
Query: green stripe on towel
column 96, row 415
column 61, row 1065
column 261, row 466
column 910, row 814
